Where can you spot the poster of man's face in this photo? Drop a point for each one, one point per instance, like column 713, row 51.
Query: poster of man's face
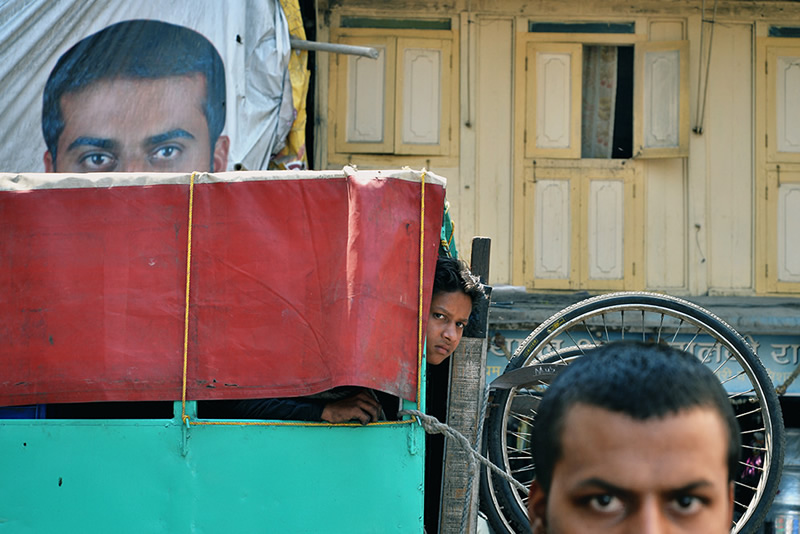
column 141, row 87
column 137, row 96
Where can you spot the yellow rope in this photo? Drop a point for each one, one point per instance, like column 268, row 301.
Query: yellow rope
column 421, row 293
column 295, row 423
column 184, row 417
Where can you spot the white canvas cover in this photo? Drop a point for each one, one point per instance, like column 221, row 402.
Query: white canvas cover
column 251, row 36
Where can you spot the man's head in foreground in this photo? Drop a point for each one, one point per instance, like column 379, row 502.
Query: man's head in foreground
column 139, row 95
column 455, row 293
column 634, row 438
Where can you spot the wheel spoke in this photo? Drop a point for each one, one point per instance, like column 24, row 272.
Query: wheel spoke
column 735, row 396
column 730, row 356
column 694, row 338
column 743, row 485
column 643, row 328
column 677, row 330
column 589, row 332
column 660, row 326
column 733, row 377
column 745, row 414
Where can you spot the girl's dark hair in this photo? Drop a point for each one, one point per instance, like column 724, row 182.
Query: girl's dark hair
column 453, row 275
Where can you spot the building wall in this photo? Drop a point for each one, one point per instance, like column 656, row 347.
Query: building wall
column 729, row 159
column 696, row 217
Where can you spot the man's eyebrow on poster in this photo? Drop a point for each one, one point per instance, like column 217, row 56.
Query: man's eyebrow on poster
column 139, row 95
column 110, row 144
column 99, row 154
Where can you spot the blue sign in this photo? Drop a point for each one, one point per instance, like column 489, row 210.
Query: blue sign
column 779, row 354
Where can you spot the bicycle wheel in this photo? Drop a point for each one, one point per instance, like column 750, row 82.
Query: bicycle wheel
column 489, row 505
column 647, row 317
column 513, row 417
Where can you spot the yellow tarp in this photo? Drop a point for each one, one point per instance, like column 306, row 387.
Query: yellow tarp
column 293, row 156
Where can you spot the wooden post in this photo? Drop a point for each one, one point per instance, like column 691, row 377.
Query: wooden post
column 464, row 412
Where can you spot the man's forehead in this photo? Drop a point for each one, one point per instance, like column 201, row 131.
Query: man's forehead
column 578, row 415
column 598, row 410
column 593, row 432
column 151, row 106
column 121, row 83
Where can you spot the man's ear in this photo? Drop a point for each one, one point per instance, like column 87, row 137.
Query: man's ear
column 730, row 502
column 537, row 508
column 48, row 162
column 221, row 148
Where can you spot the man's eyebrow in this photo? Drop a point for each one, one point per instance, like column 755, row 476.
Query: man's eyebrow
column 616, row 490
column 97, row 142
column 604, row 486
column 689, row 487
column 595, row 482
column 166, row 136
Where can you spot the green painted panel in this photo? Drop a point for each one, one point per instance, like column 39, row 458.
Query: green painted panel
column 132, row 476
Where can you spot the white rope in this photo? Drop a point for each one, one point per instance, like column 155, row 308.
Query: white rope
column 434, row 426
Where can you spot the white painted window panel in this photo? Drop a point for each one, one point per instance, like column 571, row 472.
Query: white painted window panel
column 553, row 99
column 366, row 98
column 422, row 89
column 788, row 104
column 552, row 229
column 789, row 233
column 662, row 92
column 606, row 230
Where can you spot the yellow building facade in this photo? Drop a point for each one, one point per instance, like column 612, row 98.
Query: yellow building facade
column 602, row 146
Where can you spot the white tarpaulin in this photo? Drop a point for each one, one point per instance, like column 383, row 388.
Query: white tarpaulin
column 251, row 36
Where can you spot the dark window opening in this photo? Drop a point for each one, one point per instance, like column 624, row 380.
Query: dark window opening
column 582, row 27
column 411, row 24
column 784, row 31
column 607, row 107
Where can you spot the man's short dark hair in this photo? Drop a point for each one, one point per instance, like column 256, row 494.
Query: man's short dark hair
column 135, row 49
column 641, row 380
column 453, row 275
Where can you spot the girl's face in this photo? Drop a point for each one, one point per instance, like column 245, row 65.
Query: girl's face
column 449, row 315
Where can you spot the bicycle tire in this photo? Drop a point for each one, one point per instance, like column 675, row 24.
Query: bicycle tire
column 489, row 505
column 513, row 516
column 600, row 319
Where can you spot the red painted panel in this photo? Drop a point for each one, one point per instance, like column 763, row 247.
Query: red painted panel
column 297, row 285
